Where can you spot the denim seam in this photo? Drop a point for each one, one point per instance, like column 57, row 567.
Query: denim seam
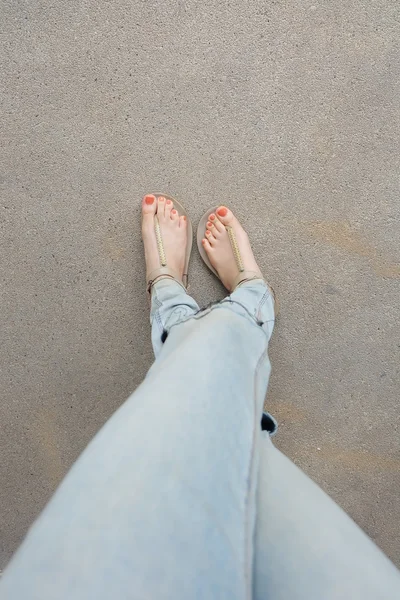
column 182, row 320
column 250, row 485
column 156, row 313
column 263, row 301
column 158, row 319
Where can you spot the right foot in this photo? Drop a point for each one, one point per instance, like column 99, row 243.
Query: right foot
column 217, row 245
column 173, row 232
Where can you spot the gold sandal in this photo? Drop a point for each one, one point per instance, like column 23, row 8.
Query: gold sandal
column 164, row 272
column 243, row 275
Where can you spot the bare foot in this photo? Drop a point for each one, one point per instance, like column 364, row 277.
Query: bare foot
column 219, row 250
column 173, row 232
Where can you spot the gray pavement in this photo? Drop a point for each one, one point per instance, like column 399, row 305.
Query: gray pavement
column 287, row 112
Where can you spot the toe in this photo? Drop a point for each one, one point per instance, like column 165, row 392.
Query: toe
column 209, row 236
column 213, row 229
column 224, row 215
column 218, row 226
column 169, row 207
column 174, row 214
column 212, row 217
column 182, row 221
column 161, row 207
column 149, row 205
column 206, row 245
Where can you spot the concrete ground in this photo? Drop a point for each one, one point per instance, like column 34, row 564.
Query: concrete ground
column 287, row 112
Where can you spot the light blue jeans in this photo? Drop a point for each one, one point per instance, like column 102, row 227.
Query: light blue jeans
column 180, row 495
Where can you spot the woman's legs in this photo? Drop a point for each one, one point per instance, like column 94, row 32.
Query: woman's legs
column 306, row 547
column 162, row 502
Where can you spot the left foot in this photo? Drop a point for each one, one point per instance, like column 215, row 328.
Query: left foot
column 173, row 232
column 219, row 250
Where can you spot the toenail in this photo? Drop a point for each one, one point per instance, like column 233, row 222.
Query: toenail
column 168, row 201
column 184, row 218
column 209, row 224
column 208, row 233
column 212, row 217
column 161, row 199
column 222, row 211
column 149, row 199
column 173, row 211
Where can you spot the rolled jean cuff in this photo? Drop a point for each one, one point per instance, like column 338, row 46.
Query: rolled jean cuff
column 170, row 305
column 254, row 299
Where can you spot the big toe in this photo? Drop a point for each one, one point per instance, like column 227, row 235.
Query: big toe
column 149, row 205
column 224, row 215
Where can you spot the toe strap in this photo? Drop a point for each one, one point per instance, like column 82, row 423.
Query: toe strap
column 235, row 248
column 243, row 275
column 162, row 272
column 160, row 245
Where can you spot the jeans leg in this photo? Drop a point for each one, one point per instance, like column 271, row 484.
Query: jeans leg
column 306, row 547
column 170, row 304
column 161, row 504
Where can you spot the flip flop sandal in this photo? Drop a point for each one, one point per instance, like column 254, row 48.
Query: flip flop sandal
column 243, row 274
column 164, row 272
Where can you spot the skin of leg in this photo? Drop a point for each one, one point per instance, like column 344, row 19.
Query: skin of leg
column 161, row 504
column 306, row 547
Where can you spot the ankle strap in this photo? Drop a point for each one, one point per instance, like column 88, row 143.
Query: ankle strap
column 164, row 273
column 244, row 276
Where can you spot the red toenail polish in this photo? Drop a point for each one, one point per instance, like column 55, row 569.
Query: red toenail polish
column 212, row 217
column 222, row 211
column 209, row 224
column 168, row 201
column 184, row 218
column 149, row 199
column 173, row 212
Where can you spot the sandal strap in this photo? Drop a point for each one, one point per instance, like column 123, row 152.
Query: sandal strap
column 235, row 248
column 163, row 273
column 159, row 240
column 245, row 276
